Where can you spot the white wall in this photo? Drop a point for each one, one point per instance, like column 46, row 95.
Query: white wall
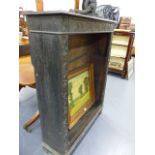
column 127, row 7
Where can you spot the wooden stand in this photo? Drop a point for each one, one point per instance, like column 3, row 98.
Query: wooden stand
column 61, row 43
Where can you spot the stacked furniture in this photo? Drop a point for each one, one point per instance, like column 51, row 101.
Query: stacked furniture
column 122, row 43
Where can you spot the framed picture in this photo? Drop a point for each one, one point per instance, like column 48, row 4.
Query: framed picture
column 81, row 95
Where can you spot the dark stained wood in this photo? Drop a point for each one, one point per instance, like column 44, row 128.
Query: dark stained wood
column 61, row 43
column 80, row 40
column 80, row 126
column 81, row 61
column 74, row 53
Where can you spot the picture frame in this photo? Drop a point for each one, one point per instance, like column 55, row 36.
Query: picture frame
column 81, row 93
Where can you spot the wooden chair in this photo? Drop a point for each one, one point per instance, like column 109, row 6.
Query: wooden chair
column 27, row 78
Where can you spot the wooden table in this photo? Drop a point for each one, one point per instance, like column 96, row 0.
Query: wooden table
column 26, row 71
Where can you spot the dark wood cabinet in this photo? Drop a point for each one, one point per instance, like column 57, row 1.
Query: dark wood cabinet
column 61, row 43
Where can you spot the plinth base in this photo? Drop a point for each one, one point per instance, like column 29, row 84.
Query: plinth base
column 54, row 152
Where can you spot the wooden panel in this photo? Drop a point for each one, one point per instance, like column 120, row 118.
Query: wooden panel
column 99, row 75
column 51, row 87
column 82, row 61
column 88, row 26
column 80, row 51
column 75, row 53
column 76, row 41
column 79, row 127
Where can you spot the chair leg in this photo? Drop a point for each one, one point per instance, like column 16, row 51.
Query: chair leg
column 31, row 121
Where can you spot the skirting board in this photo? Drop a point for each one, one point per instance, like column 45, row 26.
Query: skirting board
column 54, row 152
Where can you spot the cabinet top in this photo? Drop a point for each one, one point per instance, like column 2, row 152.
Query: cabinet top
column 47, row 13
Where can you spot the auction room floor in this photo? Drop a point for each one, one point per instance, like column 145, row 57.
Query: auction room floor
column 111, row 134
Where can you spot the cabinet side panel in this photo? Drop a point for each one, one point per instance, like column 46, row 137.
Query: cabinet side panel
column 48, row 57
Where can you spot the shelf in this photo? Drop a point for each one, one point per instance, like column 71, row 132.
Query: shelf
column 118, row 51
column 120, row 40
column 119, row 44
column 116, row 63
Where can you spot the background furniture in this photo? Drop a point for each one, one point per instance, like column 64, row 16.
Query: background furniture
column 26, row 77
column 26, row 69
column 125, row 23
column 121, row 52
column 26, row 72
column 133, row 49
column 61, row 42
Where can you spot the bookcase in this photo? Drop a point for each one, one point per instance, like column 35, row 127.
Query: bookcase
column 121, row 52
column 70, row 54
